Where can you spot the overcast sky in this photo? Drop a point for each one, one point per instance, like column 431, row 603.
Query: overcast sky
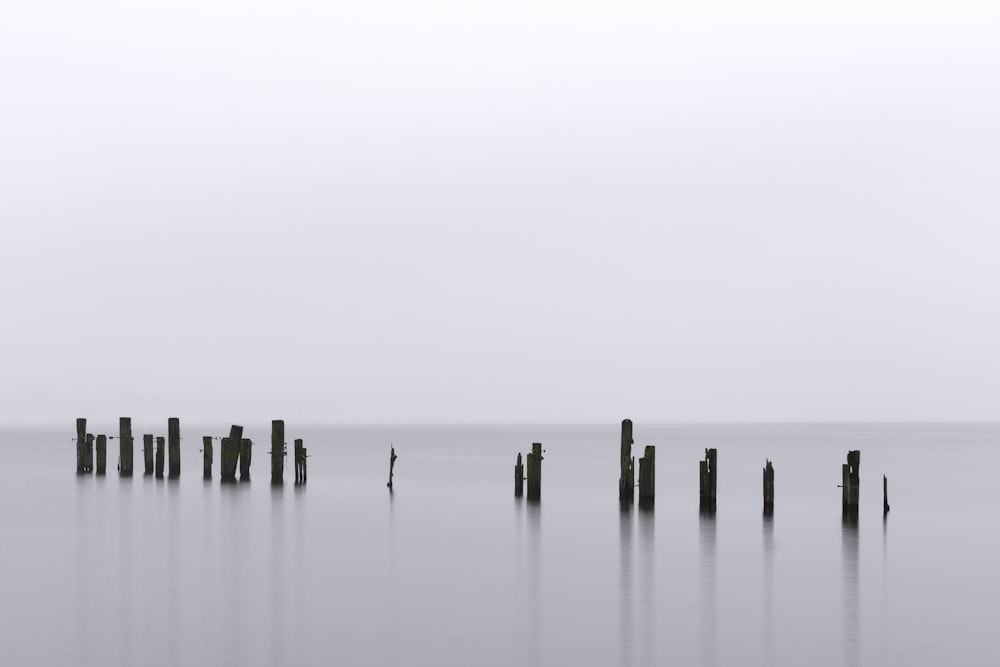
column 511, row 211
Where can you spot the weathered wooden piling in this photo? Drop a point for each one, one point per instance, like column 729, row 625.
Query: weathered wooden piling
column 206, row 452
column 392, row 463
column 160, row 456
column 300, row 461
column 81, row 444
column 535, row 471
column 246, row 453
column 88, row 463
column 230, row 454
column 647, row 476
column 626, row 481
column 305, row 462
column 768, row 487
column 125, row 446
column 518, row 477
column 708, row 476
column 174, row 442
column 885, row 495
column 147, row 453
column 851, row 476
column 277, row 451
column 102, row 454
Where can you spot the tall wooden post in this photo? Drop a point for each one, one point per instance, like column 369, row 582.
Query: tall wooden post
column 81, row 443
column 174, row 451
column 518, row 477
column 230, row 454
column 125, row 446
column 768, row 487
column 626, row 480
column 246, row 453
column 305, row 461
column 160, row 456
column 147, row 453
column 885, row 495
column 102, row 454
column 277, row 451
column 298, row 460
column 392, row 463
column 708, row 476
column 851, row 481
column 647, row 477
column 206, row 450
column 88, row 463
column 535, row 471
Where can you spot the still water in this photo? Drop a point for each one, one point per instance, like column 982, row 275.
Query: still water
column 451, row 569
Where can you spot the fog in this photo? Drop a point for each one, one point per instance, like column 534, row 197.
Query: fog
column 510, row 211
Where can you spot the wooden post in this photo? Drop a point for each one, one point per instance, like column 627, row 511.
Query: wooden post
column 147, row 453
column 206, row 449
column 125, row 446
column 277, row 451
column 230, row 454
column 647, row 477
column 626, row 480
column 88, row 462
column 299, row 462
column 885, row 495
column 81, row 443
column 305, row 460
column 768, row 488
column 708, row 475
column 518, row 477
column 102, row 454
column 851, row 481
column 246, row 452
column 392, row 463
column 160, row 455
column 535, row 471
column 174, row 451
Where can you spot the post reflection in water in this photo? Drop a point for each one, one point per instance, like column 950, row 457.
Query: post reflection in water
column 276, row 613
column 768, row 578
column 849, row 573
column 533, row 509
column 625, row 584
column 708, row 587
column 647, row 590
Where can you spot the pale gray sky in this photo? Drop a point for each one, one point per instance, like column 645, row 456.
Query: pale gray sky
column 500, row 211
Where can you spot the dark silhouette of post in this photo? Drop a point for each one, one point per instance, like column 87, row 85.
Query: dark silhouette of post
column 535, row 471
column 518, row 477
column 277, row 451
column 626, row 480
column 102, row 454
column 246, row 452
column 392, row 463
column 850, row 473
column 174, row 435
column 160, row 456
column 125, row 446
column 88, row 463
column 708, row 476
column 300, row 462
column 305, row 462
column 885, row 495
column 147, row 453
column 230, row 454
column 206, row 452
column 81, row 444
column 768, row 487
column 647, row 477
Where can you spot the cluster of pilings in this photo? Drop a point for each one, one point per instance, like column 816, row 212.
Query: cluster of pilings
column 534, row 476
column 235, row 452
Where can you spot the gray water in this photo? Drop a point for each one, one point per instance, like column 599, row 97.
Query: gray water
column 451, row 569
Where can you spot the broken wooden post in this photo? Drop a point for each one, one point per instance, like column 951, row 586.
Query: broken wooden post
column 277, row 451
column 206, row 449
column 230, row 454
column 299, row 462
column 885, row 495
column 160, row 455
column 305, row 460
column 768, row 488
column 125, row 446
column 102, row 454
column 535, row 471
column 88, row 456
column 174, row 451
column 246, row 453
column 647, row 476
column 518, row 477
column 707, row 481
column 81, row 443
column 850, row 474
column 392, row 463
column 147, row 453
column 626, row 480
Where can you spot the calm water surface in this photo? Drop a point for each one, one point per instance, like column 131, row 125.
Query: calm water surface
column 451, row 569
